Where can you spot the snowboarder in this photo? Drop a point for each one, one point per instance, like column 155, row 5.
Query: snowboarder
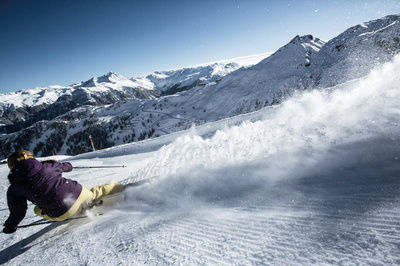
column 56, row 198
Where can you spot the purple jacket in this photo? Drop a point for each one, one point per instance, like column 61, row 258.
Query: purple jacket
column 42, row 184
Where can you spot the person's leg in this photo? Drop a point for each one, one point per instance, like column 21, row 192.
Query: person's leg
column 84, row 198
column 38, row 212
column 107, row 189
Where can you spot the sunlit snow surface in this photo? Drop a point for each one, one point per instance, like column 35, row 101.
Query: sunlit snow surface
column 315, row 180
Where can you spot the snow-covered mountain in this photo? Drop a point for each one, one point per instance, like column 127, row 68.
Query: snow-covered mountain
column 177, row 80
column 304, row 63
column 352, row 54
column 191, row 98
column 21, row 109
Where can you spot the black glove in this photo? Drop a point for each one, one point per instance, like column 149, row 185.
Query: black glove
column 7, row 230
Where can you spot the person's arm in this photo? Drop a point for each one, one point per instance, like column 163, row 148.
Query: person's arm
column 63, row 167
column 17, row 205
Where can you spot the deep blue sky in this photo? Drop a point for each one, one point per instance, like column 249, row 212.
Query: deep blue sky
column 62, row 42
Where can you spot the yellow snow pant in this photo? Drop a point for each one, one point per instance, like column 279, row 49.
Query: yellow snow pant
column 84, row 198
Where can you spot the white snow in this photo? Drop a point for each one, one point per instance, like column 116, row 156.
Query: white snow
column 32, row 97
column 246, row 60
column 381, row 29
column 311, row 181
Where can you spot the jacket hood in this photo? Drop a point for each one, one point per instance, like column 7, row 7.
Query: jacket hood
column 25, row 169
column 30, row 167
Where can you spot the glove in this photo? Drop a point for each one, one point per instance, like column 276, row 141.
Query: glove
column 7, row 230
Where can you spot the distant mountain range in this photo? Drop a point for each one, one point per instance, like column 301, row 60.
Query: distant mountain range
column 115, row 110
column 23, row 108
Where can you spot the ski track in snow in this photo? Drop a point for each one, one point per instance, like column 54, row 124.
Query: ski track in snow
column 313, row 181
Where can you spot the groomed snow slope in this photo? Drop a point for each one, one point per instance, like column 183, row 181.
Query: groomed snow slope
column 312, row 181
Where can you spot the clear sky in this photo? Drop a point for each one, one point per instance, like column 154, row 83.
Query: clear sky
column 62, row 42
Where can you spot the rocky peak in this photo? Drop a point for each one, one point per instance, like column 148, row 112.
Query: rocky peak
column 302, row 39
column 111, row 77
